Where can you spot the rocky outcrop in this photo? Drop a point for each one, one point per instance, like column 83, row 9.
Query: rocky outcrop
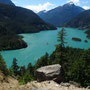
column 51, row 72
column 49, row 85
column 46, row 85
column 10, row 83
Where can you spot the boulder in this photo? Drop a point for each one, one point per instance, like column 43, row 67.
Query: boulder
column 88, row 87
column 51, row 72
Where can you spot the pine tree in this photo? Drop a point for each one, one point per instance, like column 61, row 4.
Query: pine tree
column 22, row 70
column 15, row 67
column 30, row 69
column 61, row 46
column 43, row 61
column 3, row 66
column 61, row 37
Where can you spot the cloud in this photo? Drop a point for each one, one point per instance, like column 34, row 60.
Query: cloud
column 77, row 2
column 40, row 7
column 85, row 2
column 15, row 2
column 86, row 7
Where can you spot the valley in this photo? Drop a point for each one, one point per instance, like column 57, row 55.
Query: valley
column 44, row 46
column 37, row 45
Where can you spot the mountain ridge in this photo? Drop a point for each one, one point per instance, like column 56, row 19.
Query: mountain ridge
column 21, row 20
column 7, row 2
column 61, row 14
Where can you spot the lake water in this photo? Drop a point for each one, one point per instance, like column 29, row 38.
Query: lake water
column 42, row 42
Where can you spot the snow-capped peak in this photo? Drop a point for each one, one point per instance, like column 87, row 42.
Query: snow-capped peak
column 71, row 3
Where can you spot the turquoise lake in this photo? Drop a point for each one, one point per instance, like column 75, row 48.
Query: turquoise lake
column 42, row 42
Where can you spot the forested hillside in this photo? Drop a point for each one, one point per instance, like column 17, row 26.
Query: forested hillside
column 7, row 2
column 15, row 20
column 10, row 40
column 21, row 20
column 82, row 21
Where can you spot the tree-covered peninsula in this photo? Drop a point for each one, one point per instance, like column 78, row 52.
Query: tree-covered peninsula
column 10, row 40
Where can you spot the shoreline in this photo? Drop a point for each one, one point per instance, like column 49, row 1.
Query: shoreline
column 82, row 28
column 24, row 43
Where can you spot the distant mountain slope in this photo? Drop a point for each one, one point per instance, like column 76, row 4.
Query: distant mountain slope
column 61, row 14
column 7, row 2
column 21, row 20
column 81, row 21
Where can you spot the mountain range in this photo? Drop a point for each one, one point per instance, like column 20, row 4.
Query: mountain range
column 7, row 2
column 62, row 14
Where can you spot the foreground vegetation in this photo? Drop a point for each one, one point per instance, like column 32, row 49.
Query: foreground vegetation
column 75, row 63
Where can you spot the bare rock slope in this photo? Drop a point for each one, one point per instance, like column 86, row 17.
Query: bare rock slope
column 10, row 83
column 46, row 85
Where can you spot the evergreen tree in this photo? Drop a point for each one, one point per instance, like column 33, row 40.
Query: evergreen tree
column 30, row 69
column 61, row 37
column 61, row 47
column 28, row 77
column 3, row 66
column 15, row 67
column 43, row 61
column 22, row 70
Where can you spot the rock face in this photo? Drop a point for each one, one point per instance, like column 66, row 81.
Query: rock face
column 51, row 72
